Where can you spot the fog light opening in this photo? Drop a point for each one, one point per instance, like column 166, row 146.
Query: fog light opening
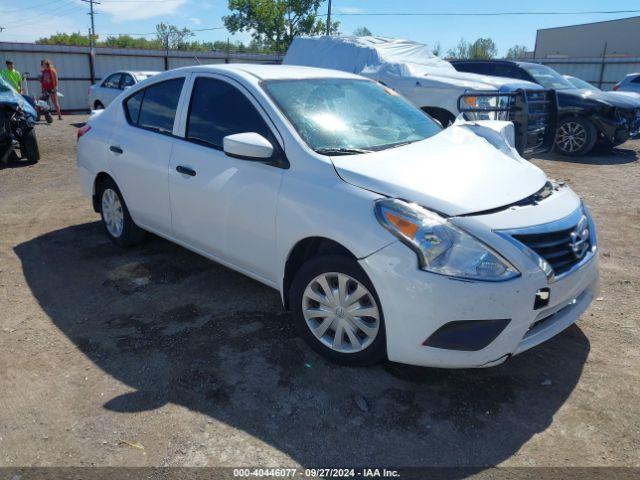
column 543, row 296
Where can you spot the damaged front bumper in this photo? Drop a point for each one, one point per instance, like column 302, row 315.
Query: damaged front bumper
column 624, row 125
column 439, row 321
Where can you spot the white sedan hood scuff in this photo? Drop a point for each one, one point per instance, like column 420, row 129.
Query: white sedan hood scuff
column 455, row 172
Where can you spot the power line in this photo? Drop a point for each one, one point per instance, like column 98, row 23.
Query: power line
column 30, row 7
column 474, row 14
column 154, row 33
column 38, row 17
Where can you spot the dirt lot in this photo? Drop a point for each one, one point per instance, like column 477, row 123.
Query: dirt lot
column 198, row 365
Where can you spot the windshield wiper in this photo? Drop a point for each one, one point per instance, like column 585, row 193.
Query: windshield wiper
column 341, row 151
column 396, row 145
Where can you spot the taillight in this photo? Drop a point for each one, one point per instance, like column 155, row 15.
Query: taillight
column 616, row 87
column 82, row 130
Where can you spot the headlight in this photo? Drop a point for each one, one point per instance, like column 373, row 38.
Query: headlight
column 490, row 103
column 442, row 247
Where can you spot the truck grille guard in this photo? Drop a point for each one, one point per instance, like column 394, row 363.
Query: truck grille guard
column 534, row 115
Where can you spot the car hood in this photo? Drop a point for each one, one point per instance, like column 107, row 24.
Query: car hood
column 8, row 96
column 612, row 100
column 455, row 172
column 479, row 82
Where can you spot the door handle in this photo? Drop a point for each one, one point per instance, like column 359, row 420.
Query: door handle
column 115, row 149
column 186, row 170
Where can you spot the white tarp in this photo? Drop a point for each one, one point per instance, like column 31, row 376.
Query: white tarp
column 364, row 55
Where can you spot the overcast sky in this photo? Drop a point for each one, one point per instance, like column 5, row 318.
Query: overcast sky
column 29, row 19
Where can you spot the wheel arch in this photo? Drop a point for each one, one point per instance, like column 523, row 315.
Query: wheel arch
column 303, row 251
column 101, row 177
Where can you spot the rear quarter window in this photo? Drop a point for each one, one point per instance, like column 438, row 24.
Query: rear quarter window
column 132, row 107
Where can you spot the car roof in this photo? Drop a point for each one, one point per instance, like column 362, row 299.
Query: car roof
column 271, row 72
column 508, row 62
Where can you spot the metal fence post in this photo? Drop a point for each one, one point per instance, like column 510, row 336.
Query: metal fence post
column 602, row 65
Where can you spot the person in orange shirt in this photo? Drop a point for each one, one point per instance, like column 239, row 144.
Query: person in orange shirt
column 49, row 83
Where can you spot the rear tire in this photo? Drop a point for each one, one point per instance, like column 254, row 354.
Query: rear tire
column 29, row 146
column 48, row 117
column 575, row 136
column 337, row 311
column 115, row 216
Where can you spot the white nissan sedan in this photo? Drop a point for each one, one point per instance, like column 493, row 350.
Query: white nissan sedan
column 387, row 236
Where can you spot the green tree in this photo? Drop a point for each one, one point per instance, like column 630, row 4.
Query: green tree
column 362, row 32
column 127, row 41
column 65, row 39
column 274, row 23
column 172, row 37
column 517, row 51
column 483, row 48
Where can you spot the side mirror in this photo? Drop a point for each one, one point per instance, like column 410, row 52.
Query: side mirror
column 247, row 146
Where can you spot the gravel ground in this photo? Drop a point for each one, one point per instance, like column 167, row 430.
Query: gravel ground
column 158, row 357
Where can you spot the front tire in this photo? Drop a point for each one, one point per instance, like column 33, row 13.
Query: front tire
column 575, row 136
column 29, row 146
column 337, row 311
column 116, row 219
column 98, row 105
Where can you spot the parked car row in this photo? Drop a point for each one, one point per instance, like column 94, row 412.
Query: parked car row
column 387, row 235
column 435, row 86
column 546, row 109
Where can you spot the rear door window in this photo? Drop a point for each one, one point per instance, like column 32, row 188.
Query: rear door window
column 127, row 80
column 159, row 105
column 112, row 81
column 219, row 109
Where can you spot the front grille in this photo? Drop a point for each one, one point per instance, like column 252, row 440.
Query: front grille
column 561, row 249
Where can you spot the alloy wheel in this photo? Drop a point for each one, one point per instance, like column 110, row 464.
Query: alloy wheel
column 341, row 312
column 572, row 136
column 112, row 213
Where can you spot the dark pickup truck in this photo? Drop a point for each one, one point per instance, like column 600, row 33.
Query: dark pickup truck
column 586, row 118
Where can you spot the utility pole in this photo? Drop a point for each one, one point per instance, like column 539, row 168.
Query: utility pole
column 92, row 38
column 329, row 19
column 92, row 13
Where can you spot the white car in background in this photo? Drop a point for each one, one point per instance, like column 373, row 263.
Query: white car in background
column 102, row 93
column 584, row 85
column 630, row 83
column 386, row 235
